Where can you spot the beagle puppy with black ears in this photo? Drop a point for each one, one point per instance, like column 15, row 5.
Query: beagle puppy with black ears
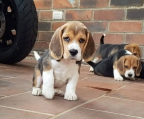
column 105, row 50
column 60, row 66
column 119, row 65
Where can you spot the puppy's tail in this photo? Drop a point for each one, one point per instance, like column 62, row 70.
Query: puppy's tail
column 37, row 57
column 102, row 39
column 92, row 64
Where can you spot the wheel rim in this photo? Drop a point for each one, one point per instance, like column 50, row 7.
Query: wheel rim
column 8, row 25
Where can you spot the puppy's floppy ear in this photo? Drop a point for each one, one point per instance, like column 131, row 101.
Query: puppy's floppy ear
column 120, row 65
column 56, row 45
column 129, row 48
column 89, row 48
column 133, row 48
column 139, row 68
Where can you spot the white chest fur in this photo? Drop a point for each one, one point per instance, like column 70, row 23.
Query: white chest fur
column 63, row 71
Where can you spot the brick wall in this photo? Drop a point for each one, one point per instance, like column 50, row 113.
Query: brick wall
column 121, row 20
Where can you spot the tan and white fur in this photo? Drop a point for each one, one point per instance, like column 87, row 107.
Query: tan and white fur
column 60, row 66
column 128, row 66
column 106, row 50
column 120, row 65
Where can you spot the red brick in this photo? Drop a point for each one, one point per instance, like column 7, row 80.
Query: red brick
column 45, row 36
column 109, row 14
column 41, row 45
column 45, row 15
column 126, row 3
column 78, row 14
column 37, row 36
column 44, row 26
column 43, row 4
column 109, row 38
column 135, row 38
column 135, row 14
column 102, row 3
column 125, row 26
column 96, row 26
column 55, row 25
column 59, row 4
column 93, row 3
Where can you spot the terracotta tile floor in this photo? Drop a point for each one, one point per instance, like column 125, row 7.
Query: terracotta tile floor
column 99, row 97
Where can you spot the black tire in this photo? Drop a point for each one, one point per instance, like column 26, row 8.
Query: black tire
column 22, row 19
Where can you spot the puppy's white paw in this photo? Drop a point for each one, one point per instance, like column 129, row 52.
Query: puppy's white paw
column 91, row 69
column 36, row 91
column 48, row 92
column 70, row 96
column 118, row 78
column 59, row 92
column 117, row 75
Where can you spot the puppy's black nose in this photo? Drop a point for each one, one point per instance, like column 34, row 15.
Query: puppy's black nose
column 73, row 52
column 130, row 75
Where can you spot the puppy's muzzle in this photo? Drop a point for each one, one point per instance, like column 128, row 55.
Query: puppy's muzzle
column 73, row 52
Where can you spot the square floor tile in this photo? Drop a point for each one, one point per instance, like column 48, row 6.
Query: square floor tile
column 55, row 106
column 82, row 113
column 116, row 105
column 10, row 88
column 133, row 91
column 6, row 113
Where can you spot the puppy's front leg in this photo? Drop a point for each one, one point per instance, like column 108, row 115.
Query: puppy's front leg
column 117, row 75
column 71, row 88
column 48, row 84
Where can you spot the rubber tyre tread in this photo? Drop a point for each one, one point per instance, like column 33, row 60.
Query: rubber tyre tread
column 26, row 33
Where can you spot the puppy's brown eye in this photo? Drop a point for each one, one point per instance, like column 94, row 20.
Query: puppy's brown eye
column 67, row 39
column 135, row 54
column 134, row 67
column 126, row 67
column 81, row 40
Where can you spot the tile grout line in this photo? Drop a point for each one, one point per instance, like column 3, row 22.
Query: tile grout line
column 2, row 95
column 14, row 82
column 8, row 81
column 14, row 95
column 12, row 77
column 26, row 110
column 6, row 78
column 85, row 78
column 123, row 99
column 121, row 87
column 76, row 107
column 112, row 113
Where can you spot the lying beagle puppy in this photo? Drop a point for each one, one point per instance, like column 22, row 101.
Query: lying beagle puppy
column 142, row 71
column 70, row 43
column 105, row 50
column 120, row 64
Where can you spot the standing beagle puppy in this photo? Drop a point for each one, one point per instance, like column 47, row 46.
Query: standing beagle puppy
column 120, row 64
column 70, row 43
column 105, row 50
